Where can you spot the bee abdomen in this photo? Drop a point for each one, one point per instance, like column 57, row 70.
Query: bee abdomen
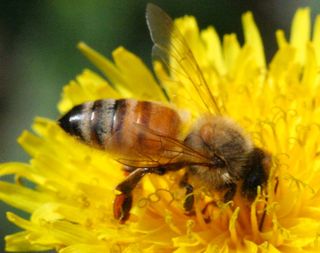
column 111, row 124
column 71, row 121
column 91, row 122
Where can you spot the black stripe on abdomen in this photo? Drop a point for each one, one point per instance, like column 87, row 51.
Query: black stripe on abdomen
column 96, row 124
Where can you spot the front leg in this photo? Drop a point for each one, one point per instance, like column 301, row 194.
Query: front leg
column 231, row 191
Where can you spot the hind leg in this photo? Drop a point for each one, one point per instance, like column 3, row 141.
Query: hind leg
column 123, row 201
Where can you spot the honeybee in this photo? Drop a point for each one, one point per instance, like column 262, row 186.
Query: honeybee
column 145, row 135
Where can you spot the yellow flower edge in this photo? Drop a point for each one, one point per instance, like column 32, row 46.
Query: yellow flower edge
column 70, row 201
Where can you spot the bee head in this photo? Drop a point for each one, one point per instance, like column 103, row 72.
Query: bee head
column 255, row 172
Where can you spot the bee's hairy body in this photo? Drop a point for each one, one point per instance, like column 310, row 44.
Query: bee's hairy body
column 142, row 130
column 219, row 136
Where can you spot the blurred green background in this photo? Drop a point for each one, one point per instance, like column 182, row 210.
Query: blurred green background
column 38, row 52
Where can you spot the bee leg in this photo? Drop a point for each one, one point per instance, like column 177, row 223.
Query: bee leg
column 121, row 207
column 127, row 170
column 123, row 201
column 189, row 200
column 232, row 188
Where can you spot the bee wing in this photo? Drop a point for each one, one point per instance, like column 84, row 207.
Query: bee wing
column 171, row 48
column 171, row 153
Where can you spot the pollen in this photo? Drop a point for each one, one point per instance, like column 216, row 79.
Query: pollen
column 70, row 203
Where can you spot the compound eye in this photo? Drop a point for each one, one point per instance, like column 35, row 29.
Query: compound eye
column 218, row 162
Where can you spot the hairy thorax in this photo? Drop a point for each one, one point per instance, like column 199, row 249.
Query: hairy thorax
column 222, row 140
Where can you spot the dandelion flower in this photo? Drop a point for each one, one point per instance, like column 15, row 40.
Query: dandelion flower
column 70, row 201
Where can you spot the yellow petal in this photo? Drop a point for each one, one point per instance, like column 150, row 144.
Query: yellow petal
column 316, row 38
column 128, row 75
column 102, row 63
column 19, row 242
column 138, row 81
column 300, row 33
column 22, row 197
column 213, row 49
column 231, row 50
column 87, row 248
column 88, row 86
column 311, row 71
column 281, row 39
column 253, row 38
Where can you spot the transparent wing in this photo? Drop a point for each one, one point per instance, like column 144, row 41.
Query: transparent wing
column 172, row 50
column 153, row 149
